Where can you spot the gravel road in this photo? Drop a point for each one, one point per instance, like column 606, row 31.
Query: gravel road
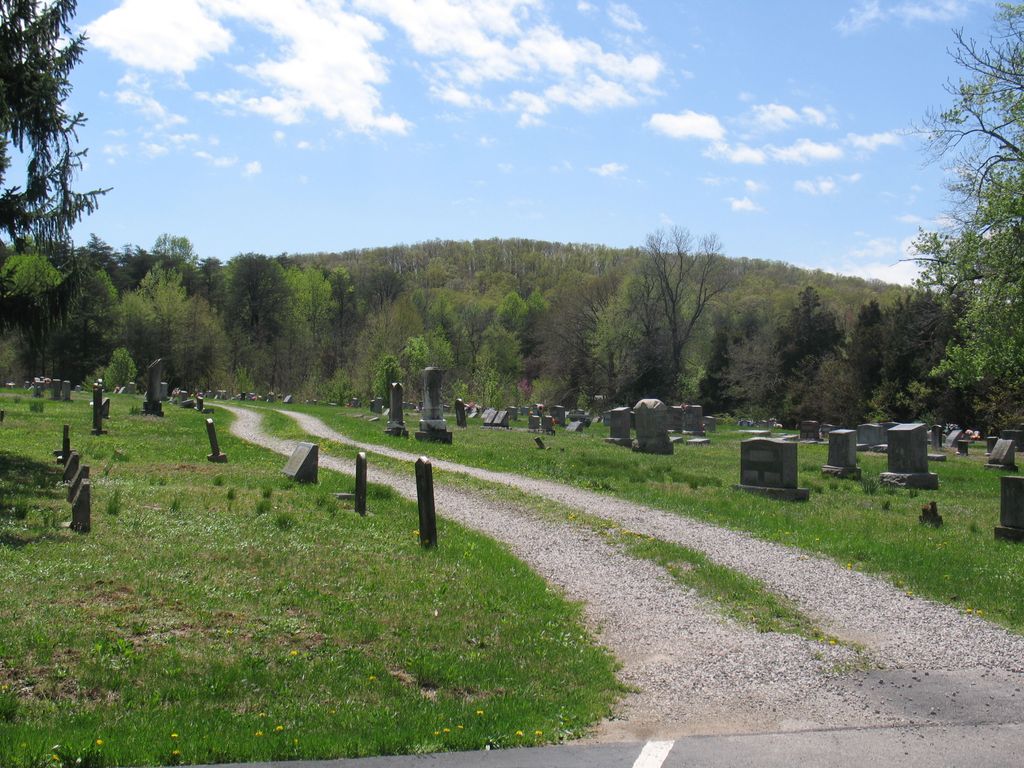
column 697, row 672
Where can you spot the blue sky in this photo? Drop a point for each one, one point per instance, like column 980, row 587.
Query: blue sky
column 786, row 129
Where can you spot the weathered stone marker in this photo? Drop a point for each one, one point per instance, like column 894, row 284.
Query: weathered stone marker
column 908, row 458
column 97, row 410
column 65, row 391
column 539, row 442
column 619, row 427
column 105, row 408
column 70, row 466
column 963, row 447
column 65, row 446
column 651, row 427
column 81, row 509
column 1002, row 456
column 1011, row 508
column 433, row 427
column 361, row 483
column 425, row 500
column 558, row 415
column 152, row 406
column 768, row 467
column 304, row 463
column 870, row 436
column 936, row 437
column 81, row 473
column 810, row 431
column 396, row 414
column 3, row 413
column 842, row 454
column 215, row 454
column 460, row 413
column 200, row 406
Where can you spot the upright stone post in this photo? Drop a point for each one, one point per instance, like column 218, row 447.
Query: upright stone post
column 1011, row 508
column 433, row 427
column 842, row 454
column 396, row 413
column 65, row 391
column 460, row 413
column 425, row 500
column 152, row 406
column 936, row 437
column 200, row 406
column 215, row 454
column 81, row 509
column 651, row 427
column 908, row 458
column 97, row 410
column 65, row 446
column 361, row 483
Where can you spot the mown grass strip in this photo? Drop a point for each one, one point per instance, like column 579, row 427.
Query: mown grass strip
column 222, row 613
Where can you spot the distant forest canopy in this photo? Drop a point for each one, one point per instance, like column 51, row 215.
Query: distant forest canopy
column 513, row 321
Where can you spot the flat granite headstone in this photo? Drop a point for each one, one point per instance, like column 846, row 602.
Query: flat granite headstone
column 951, row 438
column 1002, row 456
column 768, row 467
column 619, row 421
column 574, row 426
column 304, row 463
column 1017, row 435
column 488, row 417
column 809, row 431
column 908, row 458
column 870, row 436
column 842, row 454
column 558, row 414
column 81, row 509
column 1011, row 508
column 533, row 422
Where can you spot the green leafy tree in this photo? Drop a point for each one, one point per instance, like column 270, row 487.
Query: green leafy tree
column 385, row 371
column 121, row 369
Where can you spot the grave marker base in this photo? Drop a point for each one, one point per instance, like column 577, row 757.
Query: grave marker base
column 1004, row 467
column 936, row 457
column 781, row 494
column 1009, row 534
column 928, row 481
column 435, row 436
column 852, row 473
column 625, row 442
column 217, row 458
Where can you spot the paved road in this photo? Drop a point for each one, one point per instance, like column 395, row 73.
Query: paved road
column 978, row 746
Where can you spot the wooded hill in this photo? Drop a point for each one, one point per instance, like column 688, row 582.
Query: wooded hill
column 512, row 321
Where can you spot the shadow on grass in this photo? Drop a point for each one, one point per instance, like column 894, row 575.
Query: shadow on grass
column 23, row 483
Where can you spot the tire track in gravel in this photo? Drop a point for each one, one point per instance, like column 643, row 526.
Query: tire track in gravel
column 899, row 630
column 694, row 670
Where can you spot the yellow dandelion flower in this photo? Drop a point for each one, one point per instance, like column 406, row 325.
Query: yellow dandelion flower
column 295, row 742
column 278, row 728
column 262, row 714
column 54, row 757
column 176, row 752
column 99, row 742
column 979, row 612
column 459, row 727
column 174, row 735
column 447, row 730
column 831, row 641
column 480, row 712
column 437, row 733
column 259, row 733
column 293, row 653
column 372, row 678
column 519, row 733
column 538, row 733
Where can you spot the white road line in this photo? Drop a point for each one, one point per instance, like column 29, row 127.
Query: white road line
column 653, row 754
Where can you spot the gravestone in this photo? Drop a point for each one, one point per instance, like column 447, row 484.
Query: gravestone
column 55, row 389
column 65, row 446
column 81, row 509
column 1017, row 435
column 574, row 426
column 304, row 463
column 425, row 502
column 488, row 417
column 558, row 415
column 990, row 443
column 287, row 400
column 151, row 406
column 809, row 431
column 97, row 410
column 396, row 415
column 870, row 436
column 1011, row 508
column 936, row 437
column 1002, row 456
column 501, row 420
column 930, row 515
column 710, row 424
column 433, row 427
column 619, row 421
column 65, row 391
column 129, row 388
column 547, row 424
column 460, row 413
column 952, row 437
column 70, row 466
column 513, row 413
column 963, row 447
column 377, row 405
column 215, row 454
column 693, row 419
column 908, row 458
column 842, row 454
column 105, row 408
column 768, row 467
column 651, row 427
column 361, row 483
column 674, row 418
column 81, row 473
column 37, row 389
column 163, row 392
column 824, row 430
column 200, row 404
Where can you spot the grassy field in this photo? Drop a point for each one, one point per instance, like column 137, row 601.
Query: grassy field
column 220, row 612
column 860, row 524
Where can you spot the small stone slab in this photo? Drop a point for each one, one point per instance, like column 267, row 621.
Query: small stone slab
column 781, row 494
column 850, row 473
column 434, row 436
column 928, row 481
column 304, row 463
column 936, row 457
column 698, row 441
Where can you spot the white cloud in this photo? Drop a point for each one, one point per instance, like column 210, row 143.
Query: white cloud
column 584, row 7
column 486, row 141
column 813, row 116
column 853, row 178
column 136, row 92
column 740, row 153
column 254, row 168
column 609, row 169
column 216, row 162
column 882, row 258
column 804, row 151
column 159, row 35
column 743, row 205
column 774, row 117
column 180, row 139
column 624, row 17
column 150, row 149
column 303, row 145
column 687, row 125
column 874, row 141
column 506, row 167
column 817, row 187
column 752, row 186
column 665, row 220
column 115, row 150
column 871, row 12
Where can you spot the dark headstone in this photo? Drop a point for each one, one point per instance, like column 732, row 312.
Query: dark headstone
column 842, row 454
column 540, row 442
column 936, row 437
column 105, row 408
column 65, row 446
column 304, row 463
column 433, row 427
column 963, row 447
column 1011, row 508
column 65, row 391
column 809, row 431
column 151, row 406
column 619, row 422
column 533, row 422
column 215, row 454
column 769, row 467
column 396, row 415
column 651, row 427
column 1017, row 435
column 81, row 509
column 693, row 419
column 70, row 466
column 908, row 458
column 425, row 502
column 81, row 473
column 97, row 411
column 870, row 435
column 460, row 413
column 674, row 418
column 361, row 483
column 558, row 415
